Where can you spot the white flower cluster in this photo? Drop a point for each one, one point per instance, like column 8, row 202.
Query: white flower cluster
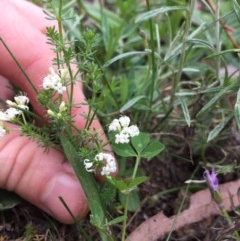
column 54, row 80
column 123, row 131
column 105, row 161
column 14, row 109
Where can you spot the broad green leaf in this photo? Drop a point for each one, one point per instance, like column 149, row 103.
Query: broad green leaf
column 124, row 150
column 127, row 185
column 185, row 110
column 218, row 128
column 134, row 200
column 140, row 142
column 132, row 102
column 8, row 199
column 137, row 181
column 153, row 13
column 153, row 149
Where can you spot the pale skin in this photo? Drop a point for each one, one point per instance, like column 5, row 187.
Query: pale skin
column 25, row 168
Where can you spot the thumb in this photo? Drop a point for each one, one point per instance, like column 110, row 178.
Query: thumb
column 40, row 177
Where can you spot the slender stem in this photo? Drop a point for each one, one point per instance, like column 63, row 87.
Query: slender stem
column 153, row 64
column 19, row 66
column 125, row 214
column 136, row 167
column 229, row 220
column 217, row 36
column 138, row 158
column 183, row 52
column 60, row 31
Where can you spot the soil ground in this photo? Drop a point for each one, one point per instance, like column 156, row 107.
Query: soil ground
column 25, row 222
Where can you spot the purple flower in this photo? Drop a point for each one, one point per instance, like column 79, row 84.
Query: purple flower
column 211, row 179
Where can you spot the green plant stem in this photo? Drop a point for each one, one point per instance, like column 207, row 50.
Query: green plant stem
column 153, row 64
column 19, row 66
column 136, row 167
column 183, row 53
column 60, row 31
column 181, row 206
column 138, row 158
column 229, row 220
column 218, row 40
column 125, row 214
column 60, row 55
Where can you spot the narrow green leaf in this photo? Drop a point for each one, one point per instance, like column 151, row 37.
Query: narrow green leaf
column 132, row 102
column 87, row 181
column 140, row 142
column 222, row 53
column 95, row 12
column 218, row 128
column 119, row 219
column 237, row 109
column 236, row 8
column 216, row 98
column 185, row 111
column 153, row 13
column 153, row 149
column 125, row 55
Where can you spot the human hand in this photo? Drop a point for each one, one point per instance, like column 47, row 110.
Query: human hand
column 25, row 168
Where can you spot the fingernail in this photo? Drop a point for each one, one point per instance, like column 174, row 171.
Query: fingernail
column 67, row 187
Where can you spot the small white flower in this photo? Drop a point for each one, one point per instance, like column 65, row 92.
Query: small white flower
column 124, row 121
column 21, row 99
column 2, row 131
column 3, row 116
column 103, row 161
column 53, row 80
column 88, row 165
column 11, row 113
column 60, row 88
column 110, row 165
column 63, row 73
column 133, row 130
column 122, row 138
column 123, row 131
column 99, row 157
column 51, row 113
column 114, row 125
column 62, row 107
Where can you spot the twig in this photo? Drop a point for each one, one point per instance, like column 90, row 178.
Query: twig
column 228, row 30
column 201, row 207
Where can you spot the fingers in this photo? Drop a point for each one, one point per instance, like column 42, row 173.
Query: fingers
column 33, row 14
column 25, row 168
column 21, row 29
column 27, row 43
column 40, row 177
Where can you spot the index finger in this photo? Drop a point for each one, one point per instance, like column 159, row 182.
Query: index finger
column 22, row 28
